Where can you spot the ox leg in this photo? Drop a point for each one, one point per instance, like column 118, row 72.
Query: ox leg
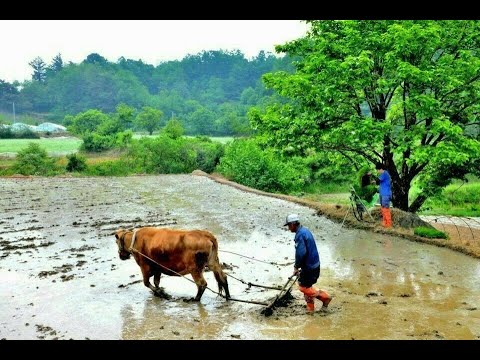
column 146, row 278
column 220, row 277
column 156, row 279
column 201, row 284
column 160, row 292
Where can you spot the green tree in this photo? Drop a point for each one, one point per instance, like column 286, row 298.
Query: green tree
column 125, row 115
column 404, row 93
column 173, row 128
column 57, row 63
column 202, row 121
column 39, row 69
column 95, row 58
column 34, row 160
column 8, row 94
column 149, row 119
column 87, row 122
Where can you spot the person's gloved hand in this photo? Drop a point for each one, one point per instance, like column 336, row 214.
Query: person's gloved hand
column 296, row 271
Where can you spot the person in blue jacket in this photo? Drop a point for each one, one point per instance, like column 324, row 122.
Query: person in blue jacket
column 385, row 192
column 307, row 263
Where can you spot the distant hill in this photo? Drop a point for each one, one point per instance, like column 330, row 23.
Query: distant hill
column 210, row 92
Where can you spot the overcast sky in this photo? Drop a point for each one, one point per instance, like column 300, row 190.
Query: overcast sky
column 152, row 41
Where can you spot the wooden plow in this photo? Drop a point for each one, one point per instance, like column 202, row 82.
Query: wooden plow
column 283, row 298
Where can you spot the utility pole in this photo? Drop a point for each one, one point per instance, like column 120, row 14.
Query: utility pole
column 13, row 103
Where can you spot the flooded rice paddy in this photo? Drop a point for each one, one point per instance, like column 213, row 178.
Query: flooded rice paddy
column 61, row 277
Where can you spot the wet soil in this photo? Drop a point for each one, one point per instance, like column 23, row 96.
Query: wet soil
column 62, row 278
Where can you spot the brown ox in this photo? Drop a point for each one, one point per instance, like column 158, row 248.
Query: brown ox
column 172, row 252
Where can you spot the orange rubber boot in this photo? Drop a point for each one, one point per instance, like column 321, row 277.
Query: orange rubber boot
column 324, row 298
column 383, row 216
column 309, row 294
column 388, row 218
column 310, row 307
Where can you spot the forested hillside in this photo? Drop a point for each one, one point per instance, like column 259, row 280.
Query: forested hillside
column 209, row 93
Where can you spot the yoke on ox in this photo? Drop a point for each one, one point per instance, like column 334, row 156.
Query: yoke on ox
column 173, row 252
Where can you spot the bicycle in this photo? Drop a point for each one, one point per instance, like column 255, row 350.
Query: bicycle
column 357, row 206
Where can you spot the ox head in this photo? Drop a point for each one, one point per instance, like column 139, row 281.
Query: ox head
column 123, row 253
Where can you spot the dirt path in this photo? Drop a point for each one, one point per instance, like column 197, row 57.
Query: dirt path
column 62, row 278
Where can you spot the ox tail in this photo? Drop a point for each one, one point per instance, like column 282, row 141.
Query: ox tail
column 216, row 267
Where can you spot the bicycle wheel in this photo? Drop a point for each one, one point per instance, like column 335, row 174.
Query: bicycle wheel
column 357, row 210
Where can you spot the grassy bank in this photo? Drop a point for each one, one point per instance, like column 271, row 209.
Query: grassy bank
column 56, row 146
column 457, row 199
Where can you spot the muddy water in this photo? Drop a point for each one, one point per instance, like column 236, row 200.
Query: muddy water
column 61, row 277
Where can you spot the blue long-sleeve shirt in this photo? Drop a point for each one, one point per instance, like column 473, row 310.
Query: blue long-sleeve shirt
column 385, row 186
column 306, row 253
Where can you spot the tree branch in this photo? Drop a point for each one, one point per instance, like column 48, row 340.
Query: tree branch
column 475, row 78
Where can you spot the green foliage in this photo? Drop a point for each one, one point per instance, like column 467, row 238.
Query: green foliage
column 125, row 115
column 79, row 87
column 210, row 81
column 457, row 199
column 208, row 153
column 39, row 69
column 95, row 142
column 429, row 233
column 149, row 119
column 119, row 167
column 246, row 163
column 7, row 133
column 76, row 163
column 365, row 192
column 173, row 129
column 403, row 92
column 87, row 122
column 34, row 160
column 165, row 155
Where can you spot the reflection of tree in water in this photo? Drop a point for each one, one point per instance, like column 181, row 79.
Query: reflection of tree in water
column 175, row 319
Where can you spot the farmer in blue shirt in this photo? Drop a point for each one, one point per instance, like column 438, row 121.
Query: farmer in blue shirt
column 307, row 263
column 385, row 194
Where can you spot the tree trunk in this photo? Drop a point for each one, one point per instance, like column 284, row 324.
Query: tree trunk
column 400, row 195
column 417, row 203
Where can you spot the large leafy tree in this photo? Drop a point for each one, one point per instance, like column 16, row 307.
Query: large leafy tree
column 405, row 93
column 149, row 119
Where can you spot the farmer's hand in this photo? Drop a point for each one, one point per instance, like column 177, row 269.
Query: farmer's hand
column 296, row 271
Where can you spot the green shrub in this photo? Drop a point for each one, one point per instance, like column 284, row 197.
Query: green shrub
column 207, row 152
column 246, row 163
column 162, row 155
column 7, row 133
column 95, row 142
column 429, row 233
column 34, row 160
column 110, row 168
column 166, row 155
column 173, row 128
column 76, row 162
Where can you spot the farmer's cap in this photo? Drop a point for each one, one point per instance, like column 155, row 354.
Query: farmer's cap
column 291, row 218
